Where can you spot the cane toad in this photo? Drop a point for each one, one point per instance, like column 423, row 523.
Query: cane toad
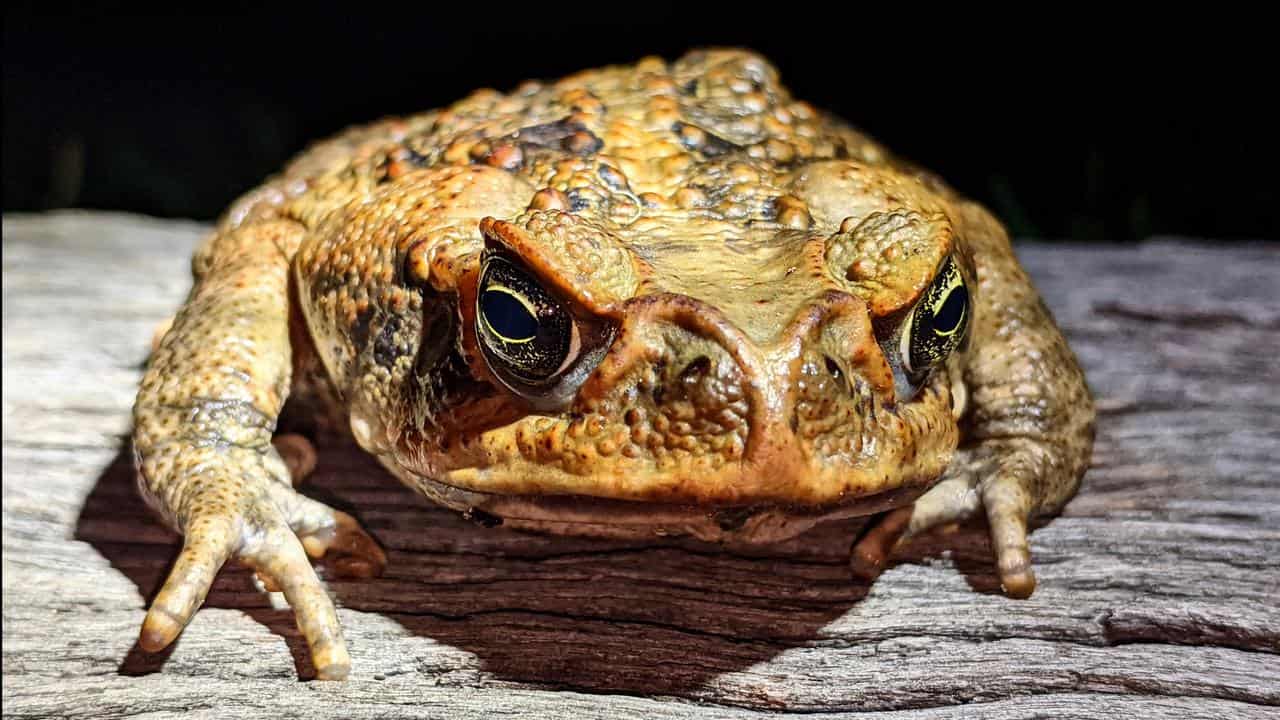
column 665, row 298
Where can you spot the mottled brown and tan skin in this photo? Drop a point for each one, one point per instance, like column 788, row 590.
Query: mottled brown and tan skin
column 736, row 264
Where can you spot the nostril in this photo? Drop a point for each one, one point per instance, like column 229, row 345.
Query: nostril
column 696, row 368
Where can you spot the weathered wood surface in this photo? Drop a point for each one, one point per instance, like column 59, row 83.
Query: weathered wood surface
column 1158, row 592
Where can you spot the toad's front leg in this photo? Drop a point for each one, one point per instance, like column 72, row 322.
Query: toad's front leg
column 1028, row 428
column 203, row 423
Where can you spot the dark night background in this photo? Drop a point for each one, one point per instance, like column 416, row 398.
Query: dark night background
column 1101, row 131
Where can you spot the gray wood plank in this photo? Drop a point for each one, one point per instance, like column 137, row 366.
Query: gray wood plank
column 1158, row 584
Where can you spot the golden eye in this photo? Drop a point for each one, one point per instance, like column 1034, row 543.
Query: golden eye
column 528, row 336
column 937, row 325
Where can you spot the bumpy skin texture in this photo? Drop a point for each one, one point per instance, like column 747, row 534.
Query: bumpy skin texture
column 738, row 267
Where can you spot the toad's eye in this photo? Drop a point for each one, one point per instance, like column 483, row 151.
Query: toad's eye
column 528, row 336
column 936, row 327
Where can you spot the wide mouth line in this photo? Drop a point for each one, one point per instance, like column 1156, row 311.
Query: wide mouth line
column 564, row 504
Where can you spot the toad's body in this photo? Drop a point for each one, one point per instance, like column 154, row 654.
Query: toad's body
column 665, row 298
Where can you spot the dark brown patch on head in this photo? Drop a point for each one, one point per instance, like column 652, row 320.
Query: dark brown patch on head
column 400, row 160
column 565, row 134
column 694, row 138
column 612, row 178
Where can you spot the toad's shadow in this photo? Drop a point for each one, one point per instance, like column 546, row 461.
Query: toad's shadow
column 569, row 612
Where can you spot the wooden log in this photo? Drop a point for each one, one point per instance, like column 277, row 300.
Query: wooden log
column 1158, row 584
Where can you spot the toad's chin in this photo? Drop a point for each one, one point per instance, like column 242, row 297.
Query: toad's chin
column 584, row 515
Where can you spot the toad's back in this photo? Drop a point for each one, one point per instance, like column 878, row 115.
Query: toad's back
column 710, row 137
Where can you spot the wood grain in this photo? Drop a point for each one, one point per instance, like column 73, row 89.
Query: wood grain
column 1158, row 584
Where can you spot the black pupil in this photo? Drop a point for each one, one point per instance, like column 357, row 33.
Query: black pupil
column 508, row 316
column 951, row 313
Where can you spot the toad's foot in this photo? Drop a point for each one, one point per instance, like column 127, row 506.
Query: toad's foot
column 997, row 486
column 273, row 531
column 208, row 405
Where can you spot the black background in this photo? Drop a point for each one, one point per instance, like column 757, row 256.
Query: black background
column 1067, row 125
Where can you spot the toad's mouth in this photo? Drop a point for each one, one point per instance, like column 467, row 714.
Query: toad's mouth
column 625, row 519
column 833, row 458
